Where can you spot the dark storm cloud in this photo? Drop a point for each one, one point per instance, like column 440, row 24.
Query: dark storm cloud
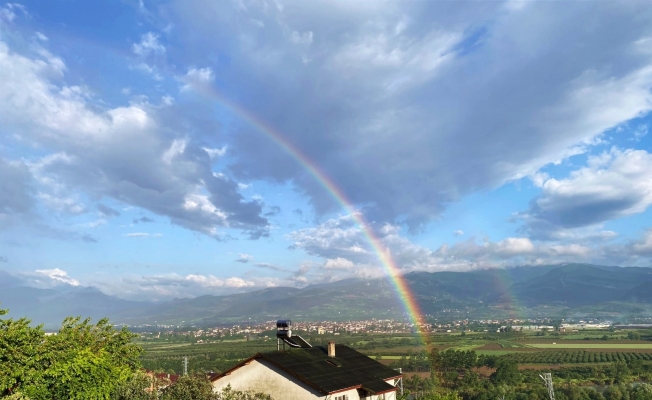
column 244, row 258
column 107, row 211
column 88, row 238
column 271, row 267
column 273, row 210
column 432, row 100
column 15, row 188
column 143, row 220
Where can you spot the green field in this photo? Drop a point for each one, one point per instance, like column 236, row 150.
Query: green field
column 575, row 356
column 562, row 345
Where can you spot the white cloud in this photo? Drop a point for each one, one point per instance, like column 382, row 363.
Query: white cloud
column 177, row 148
column 9, row 10
column 135, row 154
column 148, row 44
column 301, row 38
column 338, row 263
column 62, row 204
column 197, row 78
column 41, row 37
column 200, row 74
column 143, row 234
column 93, row 224
column 615, row 184
column 58, row 275
column 244, row 258
column 458, row 232
column 333, row 239
column 643, row 247
column 151, row 70
column 211, row 281
column 341, row 236
column 514, row 246
column 168, row 286
column 214, row 153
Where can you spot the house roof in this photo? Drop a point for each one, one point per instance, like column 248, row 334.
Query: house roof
column 349, row 370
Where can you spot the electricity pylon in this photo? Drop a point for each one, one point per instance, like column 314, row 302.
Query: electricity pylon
column 547, row 379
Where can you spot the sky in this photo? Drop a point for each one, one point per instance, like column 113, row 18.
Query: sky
column 161, row 149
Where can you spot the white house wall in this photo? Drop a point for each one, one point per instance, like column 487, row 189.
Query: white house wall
column 261, row 376
column 384, row 396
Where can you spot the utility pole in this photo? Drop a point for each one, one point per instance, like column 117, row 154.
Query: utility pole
column 185, row 365
column 547, row 379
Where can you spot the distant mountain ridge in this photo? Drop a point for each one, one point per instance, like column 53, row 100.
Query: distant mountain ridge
column 527, row 291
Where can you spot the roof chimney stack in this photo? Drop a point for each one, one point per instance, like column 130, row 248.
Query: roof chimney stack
column 331, row 349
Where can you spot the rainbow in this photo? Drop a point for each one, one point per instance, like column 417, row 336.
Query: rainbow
column 384, row 255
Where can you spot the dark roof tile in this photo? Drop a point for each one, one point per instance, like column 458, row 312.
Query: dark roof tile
column 349, row 369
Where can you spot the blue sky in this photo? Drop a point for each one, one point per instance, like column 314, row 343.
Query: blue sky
column 469, row 134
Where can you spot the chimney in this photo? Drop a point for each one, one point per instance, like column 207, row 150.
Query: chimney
column 331, row 349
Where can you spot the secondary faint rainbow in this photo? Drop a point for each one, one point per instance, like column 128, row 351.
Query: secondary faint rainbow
column 384, row 255
column 503, row 284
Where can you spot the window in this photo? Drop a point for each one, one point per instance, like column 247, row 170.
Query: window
column 342, row 397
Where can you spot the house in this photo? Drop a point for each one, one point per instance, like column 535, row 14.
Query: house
column 161, row 380
column 335, row 373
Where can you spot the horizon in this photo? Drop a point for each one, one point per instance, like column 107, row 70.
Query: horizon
column 64, row 285
column 160, row 150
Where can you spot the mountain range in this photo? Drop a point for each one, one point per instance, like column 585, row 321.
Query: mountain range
column 549, row 291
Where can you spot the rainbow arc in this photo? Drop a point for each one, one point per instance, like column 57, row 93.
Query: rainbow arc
column 383, row 254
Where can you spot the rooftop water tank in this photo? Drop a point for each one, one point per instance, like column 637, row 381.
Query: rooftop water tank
column 283, row 328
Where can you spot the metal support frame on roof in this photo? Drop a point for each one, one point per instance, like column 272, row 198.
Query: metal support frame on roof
column 399, row 383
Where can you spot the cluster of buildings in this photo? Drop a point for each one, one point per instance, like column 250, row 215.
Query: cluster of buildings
column 381, row 326
column 367, row 326
column 266, row 328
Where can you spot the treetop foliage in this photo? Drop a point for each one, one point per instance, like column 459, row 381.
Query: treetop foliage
column 82, row 361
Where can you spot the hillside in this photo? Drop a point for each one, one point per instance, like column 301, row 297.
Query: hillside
column 523, row 291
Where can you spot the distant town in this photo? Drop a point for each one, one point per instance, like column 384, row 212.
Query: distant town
column 266, row 330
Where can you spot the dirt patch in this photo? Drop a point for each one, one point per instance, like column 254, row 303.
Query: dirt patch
column 484, row 371
column 406, row 375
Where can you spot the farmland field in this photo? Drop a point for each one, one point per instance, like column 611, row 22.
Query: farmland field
column 575, row 357
column 408, row 352
column 562, row 345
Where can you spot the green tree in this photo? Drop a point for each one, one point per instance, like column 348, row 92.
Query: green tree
column 641, row 392
column 229, row 394
column 441, row 396
column 21, row 354
column 619, row 371
column 88, row 361
column 613, row 393
column 83, row 361
column 507, row 373
column 191, row 387
column 139, row 386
